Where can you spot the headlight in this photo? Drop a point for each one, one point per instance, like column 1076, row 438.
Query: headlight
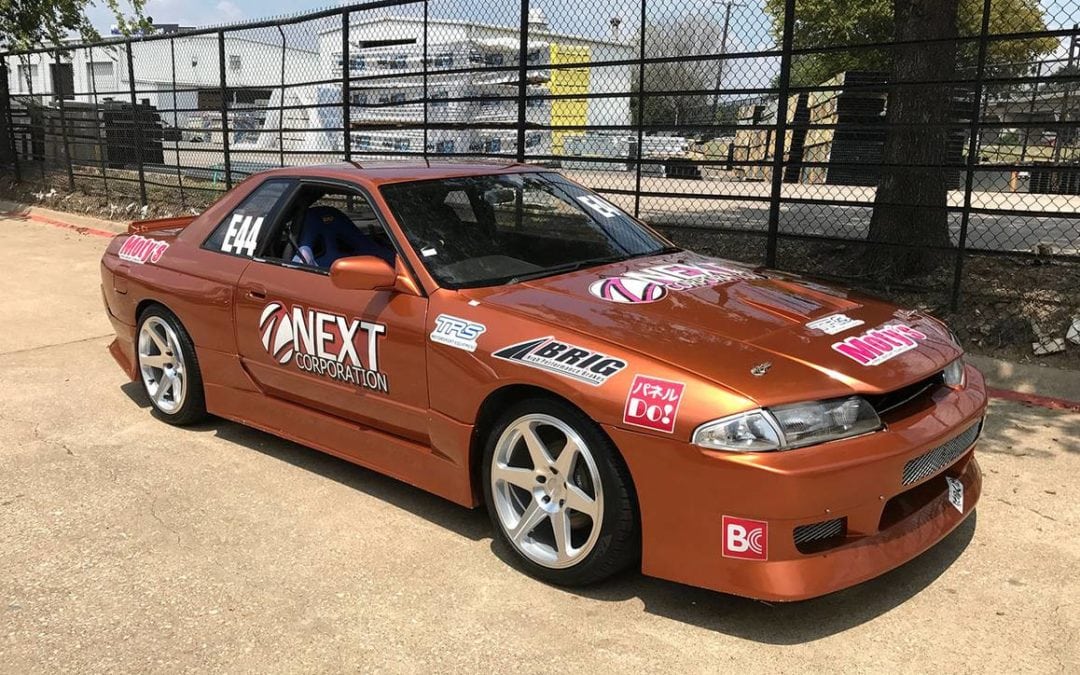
column 789, row 426
column 954, row 373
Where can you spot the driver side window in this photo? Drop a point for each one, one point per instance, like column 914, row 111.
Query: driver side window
column 326, row 223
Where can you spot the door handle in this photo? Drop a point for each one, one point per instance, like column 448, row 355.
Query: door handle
column 257, row 293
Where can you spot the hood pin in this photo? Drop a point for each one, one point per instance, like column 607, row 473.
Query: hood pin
column 761, row 368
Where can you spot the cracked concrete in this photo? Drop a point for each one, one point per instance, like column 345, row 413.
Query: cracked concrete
column 130, row 546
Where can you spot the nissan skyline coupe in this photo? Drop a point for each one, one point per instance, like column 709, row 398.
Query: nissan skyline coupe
column 504, row 337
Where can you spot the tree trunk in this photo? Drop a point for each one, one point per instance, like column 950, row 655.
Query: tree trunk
column 910, row 206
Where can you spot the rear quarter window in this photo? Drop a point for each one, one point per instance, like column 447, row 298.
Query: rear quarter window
column 242, row 231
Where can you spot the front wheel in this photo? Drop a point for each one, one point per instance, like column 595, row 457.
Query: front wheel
column 559, row 495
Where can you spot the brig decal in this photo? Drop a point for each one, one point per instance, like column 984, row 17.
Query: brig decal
column 653, row 403
column 745, row 538
column 640, row 284
column 455, row 332
column 139, row 249
column 564, row 359
column 878, row 345
column 834, row 324
column 324, row 344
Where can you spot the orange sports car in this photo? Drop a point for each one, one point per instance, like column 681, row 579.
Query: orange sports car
column 500, row 335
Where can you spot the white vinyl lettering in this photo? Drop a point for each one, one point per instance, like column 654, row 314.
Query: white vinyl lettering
column 604, row 208
column 242, row 236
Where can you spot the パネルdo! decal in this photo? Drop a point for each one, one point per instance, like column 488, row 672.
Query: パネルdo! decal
column 745, row 538
column 650, row 284
column 455, row 332
column 878, row 345
column 653, row 403
column 564, row 359
column 324, row 344
column 141, row 250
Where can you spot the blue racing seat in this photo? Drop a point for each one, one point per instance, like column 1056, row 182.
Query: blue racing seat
column 328, row 234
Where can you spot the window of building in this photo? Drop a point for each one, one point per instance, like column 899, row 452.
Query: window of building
column 438, row 99
column 397, row 98
column 444, row 60
column 234, row 62
column 444, row 146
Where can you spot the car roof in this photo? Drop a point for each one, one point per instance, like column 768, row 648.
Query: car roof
column 382, row 173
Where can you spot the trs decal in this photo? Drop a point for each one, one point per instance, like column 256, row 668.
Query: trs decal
column 672, row 277
column 835, row 323
column 564, row 359
column 878, row 345
column 242, row 235
column 324, row 344
column 744, row 538
column 140, row 249
column 455, row 332
column 653, row 403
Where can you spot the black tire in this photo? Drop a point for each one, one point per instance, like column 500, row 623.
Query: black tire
column 618, row 545
column 193, row 407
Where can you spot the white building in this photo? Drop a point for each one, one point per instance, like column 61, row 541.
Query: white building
column 186, row 65
column 478, row 63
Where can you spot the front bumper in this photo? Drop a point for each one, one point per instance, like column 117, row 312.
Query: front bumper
column 684, row 492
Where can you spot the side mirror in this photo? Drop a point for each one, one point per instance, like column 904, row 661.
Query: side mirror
column 363, row 273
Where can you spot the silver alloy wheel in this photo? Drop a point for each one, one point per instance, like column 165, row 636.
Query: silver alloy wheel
column 161, row 363
column 547, row 491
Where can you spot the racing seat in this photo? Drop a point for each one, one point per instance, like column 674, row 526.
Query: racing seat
column 328, row 234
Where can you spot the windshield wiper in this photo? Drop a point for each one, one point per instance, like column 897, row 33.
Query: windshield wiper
column 559, row 269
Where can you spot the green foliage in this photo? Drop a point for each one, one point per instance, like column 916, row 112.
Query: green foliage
column 26, row 24
column 822, row 23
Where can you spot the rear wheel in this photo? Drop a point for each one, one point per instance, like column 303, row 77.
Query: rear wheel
column 559, row 495
column 169, row 368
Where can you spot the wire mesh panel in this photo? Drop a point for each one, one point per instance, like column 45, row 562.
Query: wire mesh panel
column 896, row 143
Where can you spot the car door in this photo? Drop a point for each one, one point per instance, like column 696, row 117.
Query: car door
column 355, row 354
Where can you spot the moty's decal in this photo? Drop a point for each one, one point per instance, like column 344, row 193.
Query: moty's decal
column 139, row 249
column 878, row 345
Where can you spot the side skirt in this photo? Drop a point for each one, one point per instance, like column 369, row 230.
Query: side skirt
column 410, row 462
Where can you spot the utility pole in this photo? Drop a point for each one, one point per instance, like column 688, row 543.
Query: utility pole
column 728, row 4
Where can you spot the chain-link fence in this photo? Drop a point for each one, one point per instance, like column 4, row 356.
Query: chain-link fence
column 896, row 140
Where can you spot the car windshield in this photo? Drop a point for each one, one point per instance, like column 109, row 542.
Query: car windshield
column 488, row 230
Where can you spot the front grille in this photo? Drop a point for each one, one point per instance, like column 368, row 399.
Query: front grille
column 940, row 457
column 892, row 400
column 827, row 529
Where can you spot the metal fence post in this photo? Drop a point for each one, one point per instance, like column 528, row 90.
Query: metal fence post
column 781, row 133
column 281, row 104
column 523, row 72
column 972, row 154
column 136, row 123
column 224, row 110
column 425, row 84
column 98, row 126
column 63, row 122
column 640, row 111
column 346, row 88
column 9, row 120
column 176, row 123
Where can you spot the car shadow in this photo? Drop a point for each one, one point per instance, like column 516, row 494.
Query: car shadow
column 770, row 623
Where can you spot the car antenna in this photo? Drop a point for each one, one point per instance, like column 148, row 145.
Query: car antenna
column 355, row 164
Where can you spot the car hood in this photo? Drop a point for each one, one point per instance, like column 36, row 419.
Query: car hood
column 739, row 327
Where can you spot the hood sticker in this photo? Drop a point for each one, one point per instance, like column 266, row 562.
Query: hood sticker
column 561, row 358
column 458, row 333
column 653, row 403
column 139, row 249
column 650, row 284
column 878, row 345
column 324, row 344
column 834, row 324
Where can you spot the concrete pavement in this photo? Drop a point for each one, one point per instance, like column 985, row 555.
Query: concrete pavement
column 128, row 545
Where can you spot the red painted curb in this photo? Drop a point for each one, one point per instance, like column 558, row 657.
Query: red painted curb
column 1034, row 399
column 58, row 223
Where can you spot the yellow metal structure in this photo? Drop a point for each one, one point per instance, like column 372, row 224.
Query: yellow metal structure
column 568, row 111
